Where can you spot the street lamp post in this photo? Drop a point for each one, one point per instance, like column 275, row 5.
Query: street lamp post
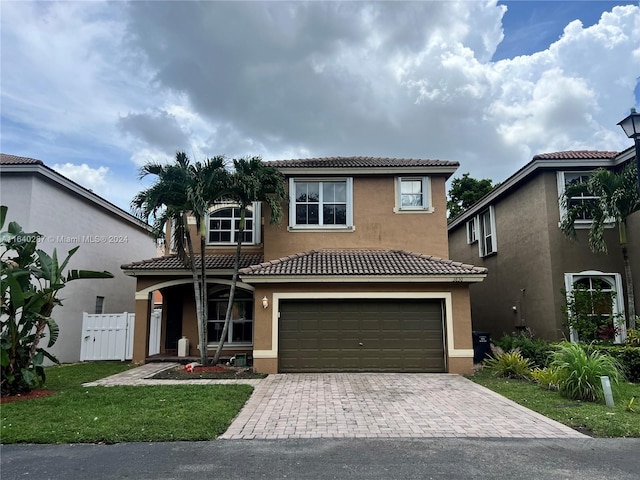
column 631, row 126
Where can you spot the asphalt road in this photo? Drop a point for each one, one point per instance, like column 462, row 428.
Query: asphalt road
column 463, row 458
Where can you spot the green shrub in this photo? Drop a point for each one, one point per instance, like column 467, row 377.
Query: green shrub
column 633, row 336
column 535, row 349
column 579, row 372
column 628, row 357
column 548, row 377
column 509, row 364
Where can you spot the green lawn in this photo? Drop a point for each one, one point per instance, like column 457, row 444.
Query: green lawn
column 591, row 418
column 117, row 414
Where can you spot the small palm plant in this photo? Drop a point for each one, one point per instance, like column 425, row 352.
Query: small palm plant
column 509, row 364
column 579, row 372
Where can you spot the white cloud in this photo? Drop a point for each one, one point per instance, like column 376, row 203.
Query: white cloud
column 94, row 179
column 114, row 85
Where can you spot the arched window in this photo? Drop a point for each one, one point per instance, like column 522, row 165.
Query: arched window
column 595, row 307
column 224, row 224
column 241, row 326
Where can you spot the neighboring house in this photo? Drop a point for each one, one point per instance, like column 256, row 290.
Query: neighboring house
column 68, row 215
column 514, row 232
column 356, row 278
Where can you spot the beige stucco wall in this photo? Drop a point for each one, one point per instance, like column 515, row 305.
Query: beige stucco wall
column 376, row 224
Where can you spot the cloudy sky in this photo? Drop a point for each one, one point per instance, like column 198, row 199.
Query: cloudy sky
column 96, row 89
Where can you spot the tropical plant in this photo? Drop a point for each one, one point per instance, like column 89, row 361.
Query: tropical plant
column 633, row 337
column 509, row 364
column 184, row 189
column 30, row 280
column 615, row 198
column 548, row 377
column 579, row 371
column 252, row 181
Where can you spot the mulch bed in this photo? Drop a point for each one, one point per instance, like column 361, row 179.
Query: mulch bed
column 26, row 396
column 209, row 372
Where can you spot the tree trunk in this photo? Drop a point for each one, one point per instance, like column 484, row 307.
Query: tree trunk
column 202, row 341
column 232, row 290
column 204, row 305
column 631, row 311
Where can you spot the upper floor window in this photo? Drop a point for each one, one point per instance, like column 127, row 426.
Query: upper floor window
column 224, row 224
column 472, row 232
column 572, row 178
column 413, row 193
column 487, row 232
column 321, row 203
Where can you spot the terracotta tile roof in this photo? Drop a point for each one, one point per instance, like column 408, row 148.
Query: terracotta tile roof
column 6, row 159
column 213, row 262
column 367, row 162
column 361, row 262
column 575, row 155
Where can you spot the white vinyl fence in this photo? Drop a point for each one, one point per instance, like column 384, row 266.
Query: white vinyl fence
column 109, row 336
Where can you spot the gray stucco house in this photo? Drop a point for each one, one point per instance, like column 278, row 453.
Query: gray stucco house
column 66, row 214
column 514, row 232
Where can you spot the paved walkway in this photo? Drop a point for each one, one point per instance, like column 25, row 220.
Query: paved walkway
column 139, row 376
column 368, row 405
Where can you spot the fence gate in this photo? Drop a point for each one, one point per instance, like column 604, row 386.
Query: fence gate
column 107, row 336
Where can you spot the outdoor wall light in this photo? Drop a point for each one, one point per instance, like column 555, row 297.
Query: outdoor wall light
column 631, row 127
column 265, row 302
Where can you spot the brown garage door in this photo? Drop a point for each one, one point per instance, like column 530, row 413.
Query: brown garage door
column 361, row 335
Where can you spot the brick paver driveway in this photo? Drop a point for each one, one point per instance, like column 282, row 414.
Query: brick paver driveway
column 372, row 405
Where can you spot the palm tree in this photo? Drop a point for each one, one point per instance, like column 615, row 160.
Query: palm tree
column 617, row 198
column 252, row 181
column 181, row 189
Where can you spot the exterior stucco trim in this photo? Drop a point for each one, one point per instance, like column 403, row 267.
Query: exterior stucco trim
column 144, row 293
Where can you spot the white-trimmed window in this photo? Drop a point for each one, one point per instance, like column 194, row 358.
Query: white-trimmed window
column 472, row 230
column 413, row 194
column 486, row 228
column 241, row 327
column 321, row 203
column 224, row 223
column 572, row 178
column 607, row 303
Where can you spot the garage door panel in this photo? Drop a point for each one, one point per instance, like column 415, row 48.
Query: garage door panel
column 396, row 335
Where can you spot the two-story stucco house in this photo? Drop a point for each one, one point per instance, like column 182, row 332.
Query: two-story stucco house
column 67, row 215
column 514, row 232
column 355, row 278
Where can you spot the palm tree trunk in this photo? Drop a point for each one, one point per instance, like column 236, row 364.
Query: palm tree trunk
column 204, row 304
column 197, row 293
column 630, row 292
column 622, row 229
column 232, row 290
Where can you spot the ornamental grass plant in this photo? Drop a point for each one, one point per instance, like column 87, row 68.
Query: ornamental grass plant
column 579, row 372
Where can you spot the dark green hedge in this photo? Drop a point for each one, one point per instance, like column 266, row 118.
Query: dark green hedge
column 629, row 358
